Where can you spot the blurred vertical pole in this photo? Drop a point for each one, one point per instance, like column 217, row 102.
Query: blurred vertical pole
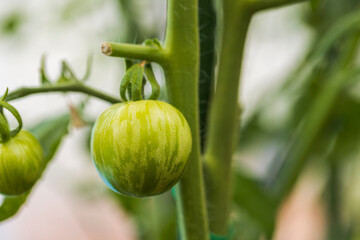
column 207, row 24
column 224, row 114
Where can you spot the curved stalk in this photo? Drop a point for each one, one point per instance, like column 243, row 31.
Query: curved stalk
column 73, row 87
column 17, row 116
column 224, row 116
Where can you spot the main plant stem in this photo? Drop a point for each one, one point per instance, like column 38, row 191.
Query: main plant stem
column 181, row 74
column 224, row 114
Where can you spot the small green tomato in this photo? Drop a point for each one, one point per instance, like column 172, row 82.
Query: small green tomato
column 21, row 163
column 141, row 148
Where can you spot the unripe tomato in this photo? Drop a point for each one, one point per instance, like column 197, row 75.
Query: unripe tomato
column 21, row 163
column 141, row 148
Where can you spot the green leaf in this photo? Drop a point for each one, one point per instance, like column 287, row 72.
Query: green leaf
column 315, row 4
column 44, row 80
column 50, row 134
column 244, row 227
column 11, row 205
column 154, row 217
column 344, row 123
column 67, row 74
column 253, row 199
column 11, row 23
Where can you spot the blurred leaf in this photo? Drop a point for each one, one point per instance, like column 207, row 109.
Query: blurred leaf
column 327, row 12
column 344, row 123
column 135, row 30
column 88, row 68
column 245, row 228
column 50, row 134
column 44, row 80
column 308, row 134
column 155, row 217
column 253, row 199
column 67, row 75
column 315, row 4
column 76, row 9
column 11, row 205
column 11, row 23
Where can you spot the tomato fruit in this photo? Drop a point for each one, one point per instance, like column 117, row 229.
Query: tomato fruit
column 21, row 163
column 141, row 148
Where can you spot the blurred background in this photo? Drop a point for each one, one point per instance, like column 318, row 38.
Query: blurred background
column 71, row 202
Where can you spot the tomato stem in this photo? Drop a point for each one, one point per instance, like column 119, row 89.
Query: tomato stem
column 68, row 87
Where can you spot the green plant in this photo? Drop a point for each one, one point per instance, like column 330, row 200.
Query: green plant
column 321, row 108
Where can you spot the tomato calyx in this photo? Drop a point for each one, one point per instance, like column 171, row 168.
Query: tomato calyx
column 5, row 133
column 135, row 78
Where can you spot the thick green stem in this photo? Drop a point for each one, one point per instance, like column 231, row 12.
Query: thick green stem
column 26, row 91
column 181, row 74
column 224, row 116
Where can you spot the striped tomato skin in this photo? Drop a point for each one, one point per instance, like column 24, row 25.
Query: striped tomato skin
column 21, row 163
column 141, row 148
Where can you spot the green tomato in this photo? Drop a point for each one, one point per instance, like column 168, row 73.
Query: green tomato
column 21, row 163
column 141, row 148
